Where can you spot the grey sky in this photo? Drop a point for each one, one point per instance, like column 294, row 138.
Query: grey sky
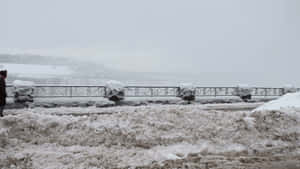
column 159, row 35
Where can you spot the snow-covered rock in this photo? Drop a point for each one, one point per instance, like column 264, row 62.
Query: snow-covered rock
column 290, row 100
column 187, row 91
column 23, row 91
column 115, row 90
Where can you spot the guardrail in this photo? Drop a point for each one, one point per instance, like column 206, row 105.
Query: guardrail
column 142, row 91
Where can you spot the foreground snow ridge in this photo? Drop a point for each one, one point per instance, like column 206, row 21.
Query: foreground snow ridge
column 288, row 101
column 146, row 137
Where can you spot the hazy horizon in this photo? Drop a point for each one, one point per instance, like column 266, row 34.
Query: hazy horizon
column 257, row 40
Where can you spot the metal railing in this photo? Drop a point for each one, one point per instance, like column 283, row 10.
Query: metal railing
column 142, row 91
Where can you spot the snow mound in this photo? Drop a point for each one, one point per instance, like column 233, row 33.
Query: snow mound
column 288, row 101
column 115, row 85
column 187, row 86
column 132, row 137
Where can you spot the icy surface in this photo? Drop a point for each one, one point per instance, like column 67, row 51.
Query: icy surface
column 288, row 101
column 123, row 137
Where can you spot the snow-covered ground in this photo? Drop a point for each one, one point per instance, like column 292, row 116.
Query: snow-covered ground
column 288, row 101
column 153, row 136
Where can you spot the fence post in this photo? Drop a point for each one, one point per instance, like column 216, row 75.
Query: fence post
column 105, row 92
column 215, row 92
column 151, row 91
column 266, row 92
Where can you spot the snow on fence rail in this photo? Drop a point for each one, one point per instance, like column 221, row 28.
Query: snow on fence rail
column 141, row 91
column 151, row 91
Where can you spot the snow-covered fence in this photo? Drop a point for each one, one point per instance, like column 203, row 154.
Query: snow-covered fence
column 214, row 91
column 69, row 91
column 23, row 91
column 142, row 91
column 151, row 91
column 267, row 92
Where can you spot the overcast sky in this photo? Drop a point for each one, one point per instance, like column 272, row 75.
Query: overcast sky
column 259, row 36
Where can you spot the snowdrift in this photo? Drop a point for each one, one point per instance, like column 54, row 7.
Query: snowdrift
column 288, row 101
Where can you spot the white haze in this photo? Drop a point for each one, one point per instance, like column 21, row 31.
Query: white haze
column 253, row 41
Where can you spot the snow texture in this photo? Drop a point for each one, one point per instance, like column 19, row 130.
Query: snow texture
column 288, row 101
column 115, row 85
column 187, row 86
column 128, row 137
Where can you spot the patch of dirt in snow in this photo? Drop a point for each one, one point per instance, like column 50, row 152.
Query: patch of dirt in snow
column 174, row 136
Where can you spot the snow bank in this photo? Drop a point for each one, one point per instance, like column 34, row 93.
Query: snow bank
column 288, row 101
column 137, row 136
